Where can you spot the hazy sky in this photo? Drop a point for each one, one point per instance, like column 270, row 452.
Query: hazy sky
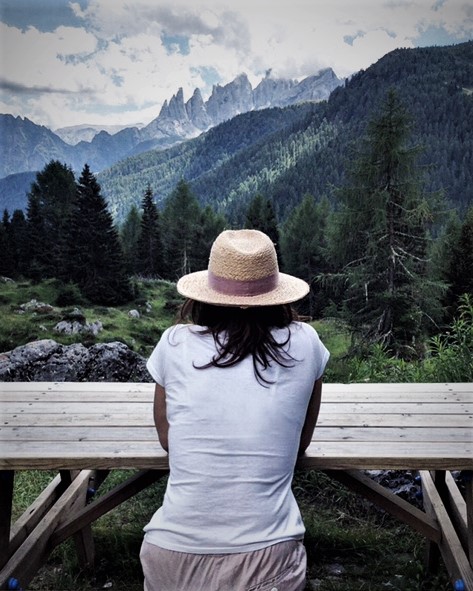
column 115, row 61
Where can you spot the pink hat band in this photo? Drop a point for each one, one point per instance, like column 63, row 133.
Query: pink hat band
column 238, row 287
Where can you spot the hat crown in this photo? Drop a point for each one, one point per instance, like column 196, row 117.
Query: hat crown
column 243, row 271
column 243, row 255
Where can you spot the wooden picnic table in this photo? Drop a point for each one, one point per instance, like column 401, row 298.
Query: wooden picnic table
column 84, row 430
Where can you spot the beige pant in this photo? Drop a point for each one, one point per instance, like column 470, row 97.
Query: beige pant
column 281, row 567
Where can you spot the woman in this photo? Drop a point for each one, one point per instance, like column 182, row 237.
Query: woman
column 236, row 401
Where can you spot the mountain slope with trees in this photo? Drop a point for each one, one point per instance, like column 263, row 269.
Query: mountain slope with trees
column 284, row 154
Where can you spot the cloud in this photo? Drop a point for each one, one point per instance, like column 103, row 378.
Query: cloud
column 25, row 89
column 123, row 57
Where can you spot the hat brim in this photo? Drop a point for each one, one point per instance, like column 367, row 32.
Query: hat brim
column 195, row 287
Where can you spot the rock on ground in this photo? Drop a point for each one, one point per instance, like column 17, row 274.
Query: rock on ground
column 46, row 360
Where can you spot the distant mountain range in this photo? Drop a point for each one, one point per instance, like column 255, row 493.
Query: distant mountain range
column 73, row 134
column 26, row 146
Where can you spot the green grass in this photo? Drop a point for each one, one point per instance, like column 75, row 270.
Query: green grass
column 141, row 335
column 336, row 337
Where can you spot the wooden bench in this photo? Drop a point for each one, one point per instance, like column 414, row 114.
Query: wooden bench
column 84, row 430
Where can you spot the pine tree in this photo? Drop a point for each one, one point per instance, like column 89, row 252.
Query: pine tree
column 382, row 236
column 53, row 193
column 459, row 274
column 150, row 251
column 441, row 257
column 129, row 237
column 93, row 258
column 260, row 215
column 18, row 241
column 181, row 219
column 7, row 259
column 211, row 224
column 304, row 248
column 36, row 246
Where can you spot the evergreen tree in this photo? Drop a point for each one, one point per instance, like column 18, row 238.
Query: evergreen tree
column 129, row 237
column 260, row 215
column 382, row 236
column 7, row 261
column 36, row 246
column 440, row 263
column 303, row 246
column 92, row 257
column 460, row 271
column 150, row 251
column 18, row 241
column 53, row 193
column 211, row 224
column 181, row 219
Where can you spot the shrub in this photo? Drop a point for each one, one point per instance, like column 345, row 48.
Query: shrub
column 69, row 294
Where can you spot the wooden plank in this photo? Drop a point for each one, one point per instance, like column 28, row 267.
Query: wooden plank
column 326, row 419
column 399, row 508
column 91, row 449
column 73, row 396
column 83, row 539
column 344, row 392
column 450, row 546
column 149, row 386
column 137, row 433
column 77, row 386
column 337, row 455
column 18, row 407
column 25, row 524
column 329, row 395
column 457, row 509
column 64, row 408
column 24, row 563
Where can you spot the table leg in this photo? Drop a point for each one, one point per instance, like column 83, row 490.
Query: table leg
column 432, row 550
column 469, row 513
column 6, row 499
column 32, row 553
column 83, row 539
column 453, row 553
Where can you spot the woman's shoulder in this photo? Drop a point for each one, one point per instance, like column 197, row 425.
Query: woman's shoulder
column 303, row 327
column 180, row 332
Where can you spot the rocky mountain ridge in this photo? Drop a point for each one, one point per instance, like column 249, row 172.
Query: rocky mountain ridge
column 26, row 146
column 190, row 118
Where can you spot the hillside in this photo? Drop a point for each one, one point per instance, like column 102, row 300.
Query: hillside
column 287, row 153
column 208, row 154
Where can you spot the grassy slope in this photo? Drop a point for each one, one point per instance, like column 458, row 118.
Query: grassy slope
column 141, row 334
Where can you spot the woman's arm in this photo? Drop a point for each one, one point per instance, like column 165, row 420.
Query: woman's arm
column 311, row 416
column 160, row 417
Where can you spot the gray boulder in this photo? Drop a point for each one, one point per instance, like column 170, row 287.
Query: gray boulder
column 46, row 360
column 76, row 327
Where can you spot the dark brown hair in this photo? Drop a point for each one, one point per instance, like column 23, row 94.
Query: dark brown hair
column 239, row 332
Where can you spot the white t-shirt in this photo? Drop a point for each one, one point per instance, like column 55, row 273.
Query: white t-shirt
column 233, row 443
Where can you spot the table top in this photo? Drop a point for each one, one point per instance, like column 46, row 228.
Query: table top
column 78, row 425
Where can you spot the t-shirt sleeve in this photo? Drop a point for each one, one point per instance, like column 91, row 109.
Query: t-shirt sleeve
column 156, row 362
column 320, row 354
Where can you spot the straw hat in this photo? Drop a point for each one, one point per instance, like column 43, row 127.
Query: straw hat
column 243, row 271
